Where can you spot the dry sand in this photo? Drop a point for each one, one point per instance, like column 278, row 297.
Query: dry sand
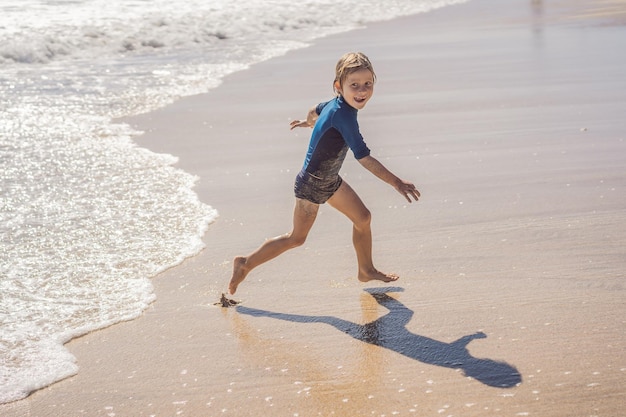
column 509, row 116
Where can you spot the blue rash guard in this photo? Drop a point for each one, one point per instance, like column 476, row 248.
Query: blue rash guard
column 335, row 131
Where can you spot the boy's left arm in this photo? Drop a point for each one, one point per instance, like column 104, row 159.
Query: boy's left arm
column 406, row 188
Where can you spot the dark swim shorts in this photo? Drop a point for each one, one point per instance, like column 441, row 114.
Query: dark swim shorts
column 315, row 189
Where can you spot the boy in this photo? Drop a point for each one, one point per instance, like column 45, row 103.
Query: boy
column 335, row 129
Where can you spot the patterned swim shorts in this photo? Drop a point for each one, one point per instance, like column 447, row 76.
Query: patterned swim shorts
column 314, row 189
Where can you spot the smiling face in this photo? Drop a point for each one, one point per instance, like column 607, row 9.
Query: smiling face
column 357, row 88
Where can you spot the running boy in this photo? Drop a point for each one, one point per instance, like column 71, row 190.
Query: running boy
column 335, row 129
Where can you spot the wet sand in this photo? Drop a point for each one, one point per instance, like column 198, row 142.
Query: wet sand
column 510, row 120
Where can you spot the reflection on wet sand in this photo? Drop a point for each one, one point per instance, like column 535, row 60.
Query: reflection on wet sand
column 390, row 332
column 292, row 367
column 537, row 19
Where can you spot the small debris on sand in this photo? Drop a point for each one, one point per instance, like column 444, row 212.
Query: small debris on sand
column 226, row 302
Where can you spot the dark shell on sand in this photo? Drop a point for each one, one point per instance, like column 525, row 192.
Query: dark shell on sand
column 226, row 302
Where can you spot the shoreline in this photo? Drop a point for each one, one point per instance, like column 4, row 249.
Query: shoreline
column 487, row 250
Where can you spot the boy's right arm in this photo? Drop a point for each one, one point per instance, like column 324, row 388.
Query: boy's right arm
column 311, row 118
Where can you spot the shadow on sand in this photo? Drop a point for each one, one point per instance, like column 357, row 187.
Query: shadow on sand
column 390, row 332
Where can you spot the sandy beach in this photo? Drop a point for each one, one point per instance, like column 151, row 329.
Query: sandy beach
column 509, row 118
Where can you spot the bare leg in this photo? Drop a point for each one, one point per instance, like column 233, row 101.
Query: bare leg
column 348, row 202
column 304, row 216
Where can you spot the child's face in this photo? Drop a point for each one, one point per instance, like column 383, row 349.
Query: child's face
column 357, row 88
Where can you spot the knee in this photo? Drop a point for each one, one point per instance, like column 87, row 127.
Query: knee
column 296, row 240
column 364, row 219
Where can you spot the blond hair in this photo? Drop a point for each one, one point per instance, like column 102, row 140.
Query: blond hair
column 349, row 63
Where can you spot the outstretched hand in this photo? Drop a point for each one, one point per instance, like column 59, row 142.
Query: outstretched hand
column 311, row 118
column 408, row 190
column 299, row 123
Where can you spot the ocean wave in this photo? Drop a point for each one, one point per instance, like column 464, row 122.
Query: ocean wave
column 196, row 29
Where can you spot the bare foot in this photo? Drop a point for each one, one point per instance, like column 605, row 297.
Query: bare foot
column 239, row 273
column 376, row 275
